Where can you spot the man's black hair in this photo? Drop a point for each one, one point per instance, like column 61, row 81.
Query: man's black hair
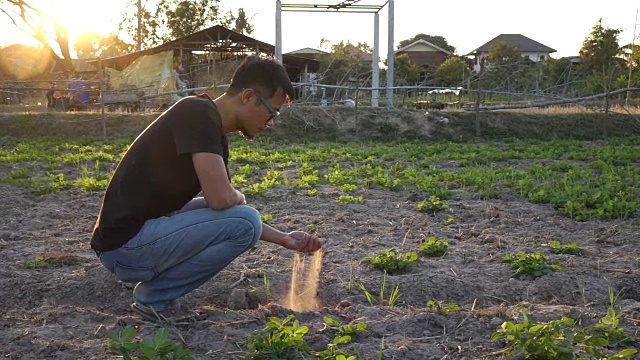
column 263, row 75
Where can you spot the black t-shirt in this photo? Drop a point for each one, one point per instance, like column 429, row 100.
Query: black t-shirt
column 156, row 175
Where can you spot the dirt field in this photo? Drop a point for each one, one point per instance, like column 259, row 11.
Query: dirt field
column 64, row 310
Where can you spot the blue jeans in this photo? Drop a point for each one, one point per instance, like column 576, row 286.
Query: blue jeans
column 173, row 255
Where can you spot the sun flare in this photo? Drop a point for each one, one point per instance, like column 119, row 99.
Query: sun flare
column 79, row 17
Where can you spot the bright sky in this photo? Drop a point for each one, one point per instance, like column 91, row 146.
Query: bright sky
column 466, row 24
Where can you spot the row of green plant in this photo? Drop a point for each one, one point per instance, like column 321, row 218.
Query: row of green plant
column 583, row 180
column 537, row 264
column 279, row 339
column 562, row 339
column 284, row 338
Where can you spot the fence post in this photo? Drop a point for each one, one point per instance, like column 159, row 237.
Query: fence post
column 104, row 123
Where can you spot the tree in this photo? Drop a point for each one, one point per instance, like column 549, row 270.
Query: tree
column 183, row 17
column 344, row 63
column 503, row 53
column 600, row 58
column 92, row 44
column 149, row 25
column 452, row 72
column 173, row 19
column 42, row 27
column 405, row 71
column 240, row 22
column 560, row 77
column 507, row 70
column 437, row 40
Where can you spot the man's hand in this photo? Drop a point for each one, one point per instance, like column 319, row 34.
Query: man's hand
column 301, row 241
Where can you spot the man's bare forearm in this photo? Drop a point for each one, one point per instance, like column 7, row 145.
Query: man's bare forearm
column 272, row 235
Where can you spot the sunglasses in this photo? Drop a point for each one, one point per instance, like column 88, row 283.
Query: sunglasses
column 274, row 113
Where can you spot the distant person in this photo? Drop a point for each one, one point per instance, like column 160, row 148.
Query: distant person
column 182, row 80
column 51, row 100
column 151, row 230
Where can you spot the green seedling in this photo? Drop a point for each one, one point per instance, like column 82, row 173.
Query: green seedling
column 557, row 339
column 37, row 263
column 348, row 199
column 432, row 205
column 531, row 340
column 280, row 339
column 570, row 248
column 535, row 264
column 266, row 218
column 449, row 221
column 150, row 348
column 442, row 307
column 333, row 352
column 434, row 247
column 345, row 330
column 348, row 188
column 312, row 192
column 393, row 262
column 608, row 328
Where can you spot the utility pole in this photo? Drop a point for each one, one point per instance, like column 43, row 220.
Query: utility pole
column 633, row 48
column 139, row 29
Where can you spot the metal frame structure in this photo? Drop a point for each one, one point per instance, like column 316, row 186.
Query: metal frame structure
column 350, row 6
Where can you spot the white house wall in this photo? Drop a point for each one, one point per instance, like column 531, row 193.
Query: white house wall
column 420, row 47
column 533, row 56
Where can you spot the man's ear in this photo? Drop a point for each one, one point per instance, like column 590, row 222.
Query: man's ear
column 246, row 95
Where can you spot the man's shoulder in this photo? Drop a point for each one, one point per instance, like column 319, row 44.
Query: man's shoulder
column 203, row 99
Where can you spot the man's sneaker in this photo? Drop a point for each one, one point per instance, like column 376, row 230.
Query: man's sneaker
column 178, row 315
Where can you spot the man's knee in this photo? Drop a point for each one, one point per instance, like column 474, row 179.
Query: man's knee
column 253, row 222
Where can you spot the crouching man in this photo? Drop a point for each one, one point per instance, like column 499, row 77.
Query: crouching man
column 152, row 231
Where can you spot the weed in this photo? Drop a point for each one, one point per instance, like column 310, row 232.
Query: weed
column 280, row 339
column 535, row 264
column 312, row 192
column 434, row 247
column 158, row 347
column 392, row 262
column 38, row 263
column 393, row 297
column 570, row 248
column 442, row 307
column 350, row 283
column 432, row 205
column 266, row 284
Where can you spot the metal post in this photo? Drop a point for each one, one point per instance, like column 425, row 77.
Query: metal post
column 390, row 58
column 104, row 122
column 375, row 69
column 305, row 80
column 279, row 31
column 139, row 29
